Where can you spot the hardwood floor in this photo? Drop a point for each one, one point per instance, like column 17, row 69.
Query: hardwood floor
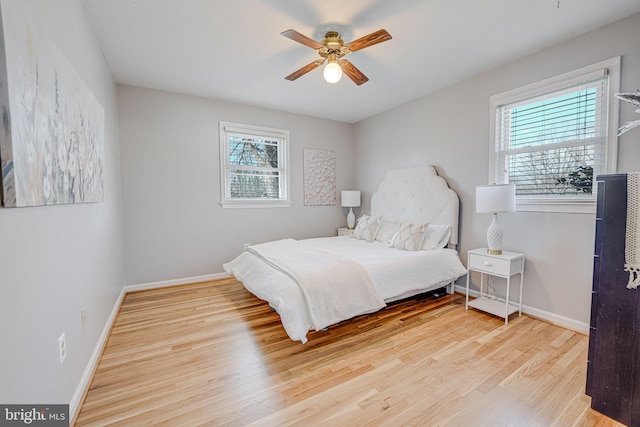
column 213, row 354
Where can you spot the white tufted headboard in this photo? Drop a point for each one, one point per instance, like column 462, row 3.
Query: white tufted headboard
column 419, row 195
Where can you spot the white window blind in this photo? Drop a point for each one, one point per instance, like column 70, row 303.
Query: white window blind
column 553, row 139
column 254, row 166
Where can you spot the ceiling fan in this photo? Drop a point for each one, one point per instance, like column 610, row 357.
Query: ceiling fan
column 332, row 50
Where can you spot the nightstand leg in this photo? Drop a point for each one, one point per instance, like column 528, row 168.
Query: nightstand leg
column 506, row 314
column 521, row 285
column 466, row 304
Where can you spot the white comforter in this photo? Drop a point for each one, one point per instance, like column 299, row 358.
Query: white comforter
column 334, row 288
column 395, row 274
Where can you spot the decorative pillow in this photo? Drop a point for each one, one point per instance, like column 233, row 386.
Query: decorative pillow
column 369, row 232
column 360, row 225
column 366, row 228
column 386, row 232
column 409, row 237
column 436, row 236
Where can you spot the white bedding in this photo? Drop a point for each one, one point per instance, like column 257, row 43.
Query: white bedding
column 333, row 287
column 395, row 274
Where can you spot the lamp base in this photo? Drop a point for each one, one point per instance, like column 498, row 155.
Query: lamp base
column 351, row 220
column 494, row 237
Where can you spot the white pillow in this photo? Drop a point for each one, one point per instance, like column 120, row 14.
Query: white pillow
column 366, row 228
column 409, row 237
column 360, row 224
column 386, row 232
column 436, row 236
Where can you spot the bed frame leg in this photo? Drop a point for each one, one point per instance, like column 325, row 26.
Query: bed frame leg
column 451, row 288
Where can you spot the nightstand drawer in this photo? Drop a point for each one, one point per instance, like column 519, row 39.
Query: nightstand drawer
column 491, row 265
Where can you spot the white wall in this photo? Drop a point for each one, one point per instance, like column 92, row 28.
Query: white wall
column 450, row 129
column 56, row 260
column 174, row 225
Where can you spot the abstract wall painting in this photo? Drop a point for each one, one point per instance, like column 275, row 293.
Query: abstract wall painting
column 52, row 127
column 319, row 177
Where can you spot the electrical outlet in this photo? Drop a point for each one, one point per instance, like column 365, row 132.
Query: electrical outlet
column 62, row 348
column 83, row 316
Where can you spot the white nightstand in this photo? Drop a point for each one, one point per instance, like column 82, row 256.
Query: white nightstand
column 505, row 266
column 344, row 231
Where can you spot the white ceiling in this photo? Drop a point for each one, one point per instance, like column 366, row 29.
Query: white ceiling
column 232, row 49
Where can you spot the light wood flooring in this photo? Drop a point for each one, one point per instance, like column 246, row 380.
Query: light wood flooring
column 213, row 354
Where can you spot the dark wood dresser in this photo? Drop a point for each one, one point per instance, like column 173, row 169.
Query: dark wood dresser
column 613, row 370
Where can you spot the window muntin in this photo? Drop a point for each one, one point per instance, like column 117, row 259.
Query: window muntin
column 552, row 138
column 254, row 166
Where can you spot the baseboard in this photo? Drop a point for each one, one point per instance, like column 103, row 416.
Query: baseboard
column 174, row 282
column 556, row 319
column 87, row 376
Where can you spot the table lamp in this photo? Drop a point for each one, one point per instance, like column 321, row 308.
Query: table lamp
column 350, row 199
column 493, row 199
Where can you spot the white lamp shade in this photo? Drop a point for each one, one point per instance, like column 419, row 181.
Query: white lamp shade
column 350, row 198
column 495, row 198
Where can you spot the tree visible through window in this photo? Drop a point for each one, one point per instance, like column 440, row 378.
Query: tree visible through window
column 552, row 138
column 254, row 165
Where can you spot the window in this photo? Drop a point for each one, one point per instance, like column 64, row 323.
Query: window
column 254, row 166
column 552, row 138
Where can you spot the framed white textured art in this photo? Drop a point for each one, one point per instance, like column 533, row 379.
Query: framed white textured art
column 52, row 128
column 319, row 177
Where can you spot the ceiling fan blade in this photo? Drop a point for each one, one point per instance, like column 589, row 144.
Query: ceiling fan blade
column 354, row 74
column 366, row 41
column 301, row 38
column 304, row 70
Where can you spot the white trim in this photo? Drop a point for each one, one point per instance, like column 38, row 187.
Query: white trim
column 556, row 83
column 87, row 375
column 611, row 164
column 556, row 319
column 283, row 164
column 568, row 206
column 612, row 67
column 174, row 282
column 89, row 370
column 256, row 204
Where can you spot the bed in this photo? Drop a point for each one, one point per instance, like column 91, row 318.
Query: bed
column 404, row 247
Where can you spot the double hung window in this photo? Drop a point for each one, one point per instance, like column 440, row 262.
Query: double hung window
column 552, row 138
column 254, row 166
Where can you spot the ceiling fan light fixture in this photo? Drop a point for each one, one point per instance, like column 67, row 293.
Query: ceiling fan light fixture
column 332, row 51
column 332, row 71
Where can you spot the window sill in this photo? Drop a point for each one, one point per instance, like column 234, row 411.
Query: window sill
column 567, row 206
column 253, row 204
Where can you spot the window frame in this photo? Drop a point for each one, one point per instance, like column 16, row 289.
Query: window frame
column 565, row 203
column 226, row 128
